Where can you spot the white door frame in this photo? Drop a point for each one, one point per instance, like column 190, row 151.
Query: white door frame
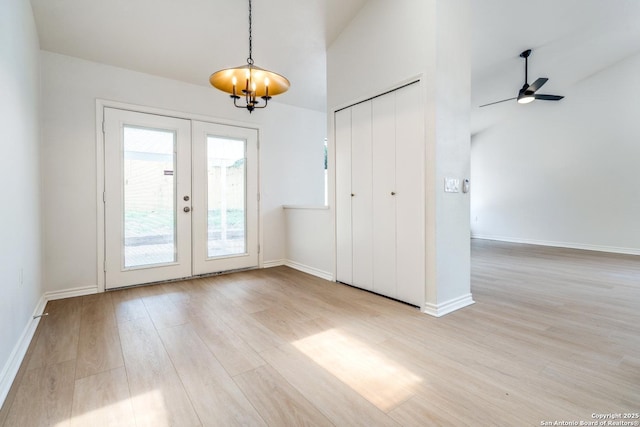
column 101, row 104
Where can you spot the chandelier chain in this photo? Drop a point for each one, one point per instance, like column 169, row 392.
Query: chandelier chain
column 250, row 58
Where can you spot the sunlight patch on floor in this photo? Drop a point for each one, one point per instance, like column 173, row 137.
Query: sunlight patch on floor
column 150, row 405
column 379, row 379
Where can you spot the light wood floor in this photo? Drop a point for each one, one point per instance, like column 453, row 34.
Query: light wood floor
column 554, row 335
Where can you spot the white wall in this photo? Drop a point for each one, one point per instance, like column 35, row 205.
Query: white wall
column 385, row 44
column 20, row 245
column 291, row 155
column 309, row 245
column 564, row 173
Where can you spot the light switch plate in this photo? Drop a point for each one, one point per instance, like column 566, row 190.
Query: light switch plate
column 451, row 185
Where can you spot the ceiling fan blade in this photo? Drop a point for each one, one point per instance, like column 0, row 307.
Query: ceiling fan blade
column 498, row 102
column 548, row 97
column 537, row 84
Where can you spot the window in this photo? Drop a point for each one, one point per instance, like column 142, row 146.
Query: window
column 326, row 179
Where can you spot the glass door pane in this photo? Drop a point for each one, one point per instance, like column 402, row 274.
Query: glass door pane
column 147, row 198
column 149, row 189
column 226, row 198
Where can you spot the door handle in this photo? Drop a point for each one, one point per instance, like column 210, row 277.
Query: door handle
column 187, row 209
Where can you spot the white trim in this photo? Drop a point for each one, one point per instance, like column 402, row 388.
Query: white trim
column 70, row 293
column 582, row 246
column 274, row 263
column 101, row 104
column 309, row 207
column 439, row 310
column 310, row 270
column 10, row 369
column 100, row 238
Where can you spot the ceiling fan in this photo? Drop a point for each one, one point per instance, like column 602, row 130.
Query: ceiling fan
column 528, row 92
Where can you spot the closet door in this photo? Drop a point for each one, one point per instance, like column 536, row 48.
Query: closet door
column 384, row 194
column 410, row 195
column 343, row 196
column 361, row 201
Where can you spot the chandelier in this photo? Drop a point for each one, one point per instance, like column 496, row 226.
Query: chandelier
column 249, row 81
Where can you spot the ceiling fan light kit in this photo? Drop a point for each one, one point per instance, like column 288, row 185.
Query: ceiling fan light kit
column 249, row 81
column 528, row 93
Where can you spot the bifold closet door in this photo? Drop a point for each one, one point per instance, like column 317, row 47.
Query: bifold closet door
column 362, row 196
column 342, row 126
column 410, row 196
column 384, row 194
column 380, row 195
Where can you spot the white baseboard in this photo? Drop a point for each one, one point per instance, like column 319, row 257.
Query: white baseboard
column 275, row 263
column 439, row 310
column 556, row 244
column 310, row 270
column 10, row 370
column 69, row 293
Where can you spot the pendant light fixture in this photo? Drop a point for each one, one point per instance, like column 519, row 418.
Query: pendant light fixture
column 249, row 81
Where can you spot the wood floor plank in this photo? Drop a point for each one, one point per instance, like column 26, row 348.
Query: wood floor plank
column 337, row 401
column 277, row 401
column 44, row 397
column 384, row 381
column 98, row 347
column 162, row 310
column 158, row 396
column 232, row 351
column 250, row 330
column 97, row 307
column 215, row 396
column 554, row 335
column 128, row 305
column 103, row 400
column 58, row 340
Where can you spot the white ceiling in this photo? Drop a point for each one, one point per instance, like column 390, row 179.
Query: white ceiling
column 571, row 40
column 188, row 40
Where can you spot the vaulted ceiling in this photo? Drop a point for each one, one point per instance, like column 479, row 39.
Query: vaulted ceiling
column 571, row 40
column 188, row 40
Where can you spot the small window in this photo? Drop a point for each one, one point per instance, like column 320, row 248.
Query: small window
column 326, row 179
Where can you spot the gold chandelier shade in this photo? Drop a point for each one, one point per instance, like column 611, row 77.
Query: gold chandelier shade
column 256, row 85
column 242, row 78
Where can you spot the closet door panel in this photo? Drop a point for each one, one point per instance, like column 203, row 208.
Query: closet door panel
column 383, row 202
column 410, row 198
column 361, row 201
column 343, row 196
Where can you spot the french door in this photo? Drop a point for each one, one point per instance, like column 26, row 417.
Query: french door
column 180, row 198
